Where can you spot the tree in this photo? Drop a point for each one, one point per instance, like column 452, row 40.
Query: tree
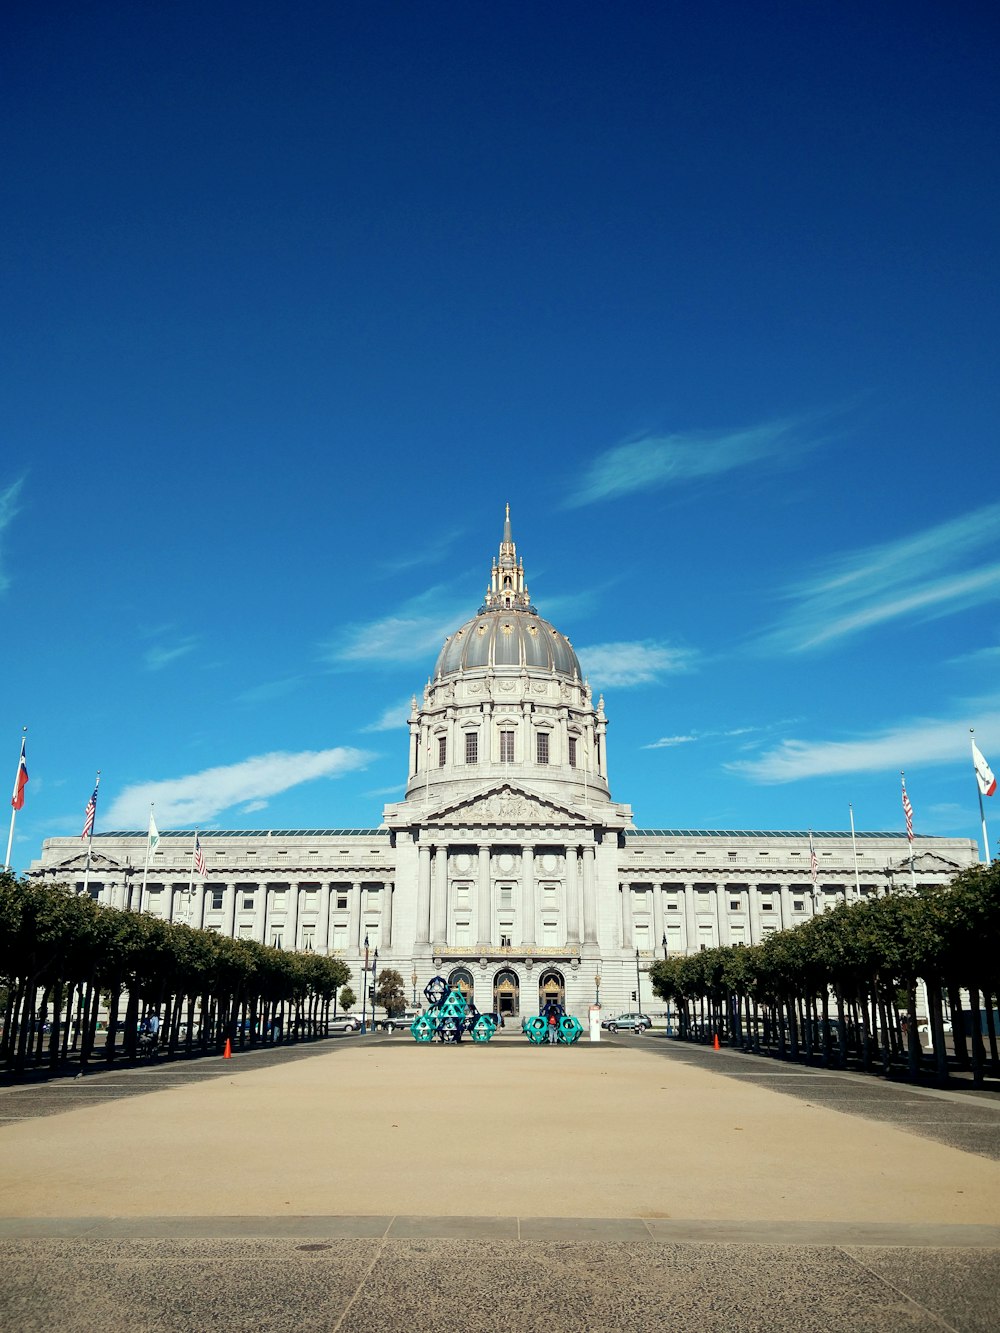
column 347, row 999
column 390, row 994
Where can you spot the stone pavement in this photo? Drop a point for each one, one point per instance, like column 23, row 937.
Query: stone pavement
column 372, row 1184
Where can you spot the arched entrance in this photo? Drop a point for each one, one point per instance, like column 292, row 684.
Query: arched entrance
column 506, row 994
column 551, row 989
column 461, row 979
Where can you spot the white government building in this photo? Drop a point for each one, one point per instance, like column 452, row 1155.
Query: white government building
column 508, row 867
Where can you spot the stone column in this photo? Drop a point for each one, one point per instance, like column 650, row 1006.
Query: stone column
column 572, row 896
column 439, row 896
column 323, row 923
column 589, row 894
column 388, row 913
column 423, row 893
column 291, row 936
column 528, row 894
column 690, row 919
column 229, row 910
column 485, row 908
column 659, row 928
column 354, row 921
column 786, row 912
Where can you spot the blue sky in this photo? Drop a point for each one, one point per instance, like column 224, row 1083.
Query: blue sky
column 298, row 296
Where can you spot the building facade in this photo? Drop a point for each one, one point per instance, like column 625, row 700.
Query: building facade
column 508, row 867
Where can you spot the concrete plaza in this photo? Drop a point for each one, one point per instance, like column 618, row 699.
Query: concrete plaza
column 370, row 1183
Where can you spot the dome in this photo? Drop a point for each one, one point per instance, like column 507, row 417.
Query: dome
column 507, row 637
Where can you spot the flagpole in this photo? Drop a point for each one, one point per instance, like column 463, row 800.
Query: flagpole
column 190, row 902
column 145, row 864
column 854, row 844
column 13, row 799
column 90, row 840
column 979, row 790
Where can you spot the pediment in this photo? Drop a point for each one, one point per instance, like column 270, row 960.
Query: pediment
column 507, row 804
column 929, row 863
column 77, row 864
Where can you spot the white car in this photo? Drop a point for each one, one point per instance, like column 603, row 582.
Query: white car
column 344, row 1023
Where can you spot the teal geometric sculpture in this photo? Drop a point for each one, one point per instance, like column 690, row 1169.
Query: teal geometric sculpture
column 449, row 1015
column 536, row 1030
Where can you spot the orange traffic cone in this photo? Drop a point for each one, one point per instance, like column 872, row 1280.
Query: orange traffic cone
column 715, row 1044
column 227, row 1054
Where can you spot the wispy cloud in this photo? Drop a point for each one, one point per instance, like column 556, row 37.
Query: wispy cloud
column 269, row 690
column 392, row 718
column 9, row 509
column 190, row 800
column 932, row 573
column 640, row 663
column 417, row 629
column 909, row 745
column 162, row 655
column 654, row 461
column 666, row 742
column 431, row 552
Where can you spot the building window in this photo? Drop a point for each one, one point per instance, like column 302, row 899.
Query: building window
column 278, row 900
column 766, row 905
column 275, row 939
column 734, row 904
column 798, row 905
column 342, row 901
column 442, row 751
column 310, row 899
column 672, row 905
column 506, row 747
column 550, row 933
column 461, row 895
column 308, row 937
column 549, row 895
column 571, row 751
column 217, row 897
column 732, row 856
column 642, row 937
column 340, row 937
column 472, row 747
column 463, row 936
column 505, row 940
column 542, row 747
column 248, row 902
column 506, row 895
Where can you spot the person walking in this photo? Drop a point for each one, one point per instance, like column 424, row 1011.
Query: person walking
column 553, row 1028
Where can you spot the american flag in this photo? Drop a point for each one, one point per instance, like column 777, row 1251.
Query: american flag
column 813, row 862
column 88, row 818
column 907, row 811
column 200, row 868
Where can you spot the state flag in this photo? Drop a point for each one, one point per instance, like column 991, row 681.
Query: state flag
column 984, row 774
column 20, row 782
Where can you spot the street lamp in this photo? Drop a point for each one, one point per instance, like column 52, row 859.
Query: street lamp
column 638, row 995
column 669, row 1025
column 597, row 989
column 374, row 967
column 414, row 980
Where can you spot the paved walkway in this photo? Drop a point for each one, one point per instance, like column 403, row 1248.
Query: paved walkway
column 370, row 1183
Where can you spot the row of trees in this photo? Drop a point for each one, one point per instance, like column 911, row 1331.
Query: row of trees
column 843, row 986
column 64, row 959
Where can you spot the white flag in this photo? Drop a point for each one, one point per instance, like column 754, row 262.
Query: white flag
column 984, row 774
column 154, row 836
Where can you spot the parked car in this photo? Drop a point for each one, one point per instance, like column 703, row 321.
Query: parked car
column 344, row 1023
column 402, row 1020
column 628, row 1023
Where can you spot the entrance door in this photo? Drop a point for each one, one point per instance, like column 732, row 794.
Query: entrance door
column 461, row 979
column 551, row 989
column 506, row 994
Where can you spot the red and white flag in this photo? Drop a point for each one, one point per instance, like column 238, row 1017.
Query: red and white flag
column 20, row 782
column 200, row 868
column 907, row 811
column 91, row 811
column 813, row 862
column 984, row 774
